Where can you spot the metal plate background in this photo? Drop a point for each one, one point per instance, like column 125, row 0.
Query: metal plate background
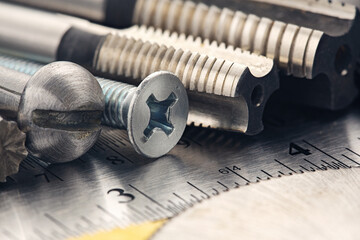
column 112, row 186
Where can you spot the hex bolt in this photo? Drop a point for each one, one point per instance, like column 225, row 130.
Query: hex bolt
column 154, row 113
column 59, row 109
column 12, row 148
column 223, row 93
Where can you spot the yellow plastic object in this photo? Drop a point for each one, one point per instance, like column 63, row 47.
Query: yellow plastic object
column 137, row 232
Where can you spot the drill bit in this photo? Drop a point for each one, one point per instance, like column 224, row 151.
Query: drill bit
column 12, row 148
column 223, row 93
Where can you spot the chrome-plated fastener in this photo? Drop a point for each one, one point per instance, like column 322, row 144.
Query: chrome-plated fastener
column 12, row 148
column 223, row 93
column 59, row 109
column 219, row 88
column 327, row 57
column 154, row 113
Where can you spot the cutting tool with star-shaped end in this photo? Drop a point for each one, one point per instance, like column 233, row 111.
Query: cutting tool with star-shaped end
column 12, row 148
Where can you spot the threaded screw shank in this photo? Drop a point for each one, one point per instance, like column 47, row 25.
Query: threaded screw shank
column 198, row 72
column 292, row 47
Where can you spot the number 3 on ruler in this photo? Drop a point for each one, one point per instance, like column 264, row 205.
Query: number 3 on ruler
column 126, row 197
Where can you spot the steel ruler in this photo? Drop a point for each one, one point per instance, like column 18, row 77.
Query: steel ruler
column 111, row 186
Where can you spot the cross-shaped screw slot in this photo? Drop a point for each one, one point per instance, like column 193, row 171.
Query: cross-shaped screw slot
column 160, row 115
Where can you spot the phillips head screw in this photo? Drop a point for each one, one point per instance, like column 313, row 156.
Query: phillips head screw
column 59, row 108
column 154, row 113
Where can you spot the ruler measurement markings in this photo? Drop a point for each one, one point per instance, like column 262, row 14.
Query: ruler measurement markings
column 182, row 199
column 148, row 197
column 60, row 225
column 117, row 152
column 222, row 184
column 237, row 174
column 116, row 138
column 178, row 207
column 268, row 174
column 112, row 216
column 141, row 216
column 350, row 159
column 282, row 164
column 197, row 200
column 207, row 196
column 47, row 170
column 327, row 154
column 313, row 164
column 216, row 192
column 357, row 154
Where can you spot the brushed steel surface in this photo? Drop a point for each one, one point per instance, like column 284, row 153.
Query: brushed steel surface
column 112, row 186
column 90, row 9
column 18, row 36
column 320, row 205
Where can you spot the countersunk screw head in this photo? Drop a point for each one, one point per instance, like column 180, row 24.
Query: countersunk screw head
column 157, row 114
column 60, row 111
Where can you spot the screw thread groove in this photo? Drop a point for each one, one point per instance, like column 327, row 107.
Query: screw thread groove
column 19, row 65
column 115, row 101
column 115, row 93
column 264, row 36
column 197, row 72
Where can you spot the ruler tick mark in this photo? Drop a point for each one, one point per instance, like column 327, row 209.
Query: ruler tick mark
column 59, row 224
column 226, row 187
column 282, row 164
column 148, row 197
column 267, row 173
column 230, row 170
column 327, row 154
column 357, row 154
column 182, row 199
column 350, row 159
column 207, row 195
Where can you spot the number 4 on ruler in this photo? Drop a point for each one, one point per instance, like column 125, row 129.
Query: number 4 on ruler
column 296, row 149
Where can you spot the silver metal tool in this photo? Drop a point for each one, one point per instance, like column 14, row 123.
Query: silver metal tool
column 111, row 186
column 154, row 113
column 12, row 148
column 59, row 109
column 325, row 52
column 223, row 93
column 308, row 39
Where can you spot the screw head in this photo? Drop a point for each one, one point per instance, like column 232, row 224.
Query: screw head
column 60, row 110
column 157, row 114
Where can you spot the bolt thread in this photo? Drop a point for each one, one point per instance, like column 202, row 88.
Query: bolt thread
column 116, row 93
column 116, row 102
column 135, row 59
column 292, row 47
column 19, row 65
column 258, row 65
